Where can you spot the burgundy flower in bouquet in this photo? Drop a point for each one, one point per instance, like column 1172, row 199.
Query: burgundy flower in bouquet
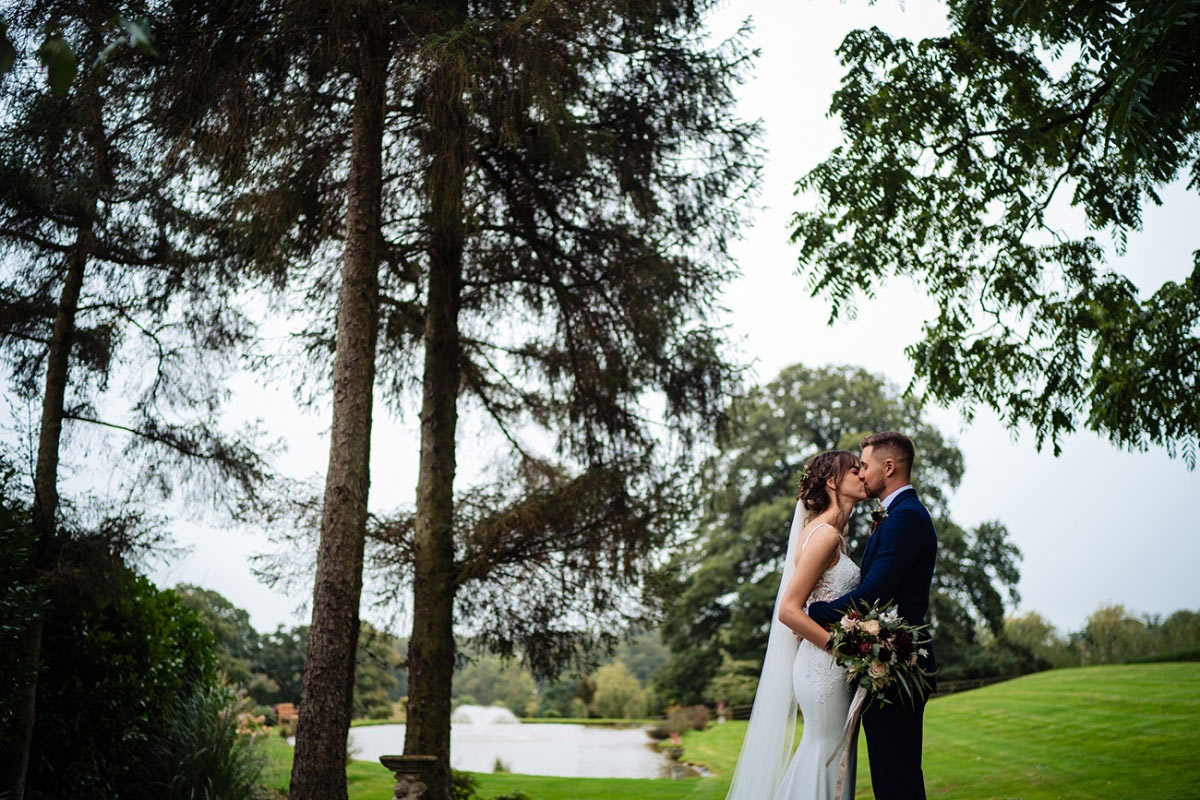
column 879, row 652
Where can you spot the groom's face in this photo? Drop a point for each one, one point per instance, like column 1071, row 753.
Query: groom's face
column 872, row 471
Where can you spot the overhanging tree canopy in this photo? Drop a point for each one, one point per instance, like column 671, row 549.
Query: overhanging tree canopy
column 956, row 147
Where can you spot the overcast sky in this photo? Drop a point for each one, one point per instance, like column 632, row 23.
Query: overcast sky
column 1096, row 525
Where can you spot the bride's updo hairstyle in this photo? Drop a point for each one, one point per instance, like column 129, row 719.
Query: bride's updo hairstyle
column 819, row 469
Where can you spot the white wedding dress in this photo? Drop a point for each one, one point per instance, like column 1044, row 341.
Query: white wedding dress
column 820, row 688
column 804, row 675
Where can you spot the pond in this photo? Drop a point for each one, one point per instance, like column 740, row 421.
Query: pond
column 479, row 737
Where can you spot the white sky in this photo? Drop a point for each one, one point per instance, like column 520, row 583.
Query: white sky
column 1096, row 526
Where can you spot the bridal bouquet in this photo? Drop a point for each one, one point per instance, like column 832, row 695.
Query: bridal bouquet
column 879, row 651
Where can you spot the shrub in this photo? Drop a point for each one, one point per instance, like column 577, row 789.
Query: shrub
column 267, row 713
column 19, row 601
column 658, row 732
column 1183, row 655
column 463, row 785
column 118, row 656
column 381, row 711
column 699, row 716
column 200, row 753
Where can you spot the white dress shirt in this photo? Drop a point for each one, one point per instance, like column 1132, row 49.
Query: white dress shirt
column 887, row 501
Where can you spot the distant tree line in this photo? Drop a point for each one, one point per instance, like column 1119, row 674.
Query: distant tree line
column 270, row 666
column 1111, row 635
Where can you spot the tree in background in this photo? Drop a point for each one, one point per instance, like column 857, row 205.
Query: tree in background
column 1036, row 634
column 578, row 171
column 726, row 577
column 237, row 641
column 955, row 149
column 644, row 654
column 1113, row 635
column 100, row 279
column 618, row 693
column 735, row 682
column 489, row 680
column 376, row 684
column 1179, row 633
column 285, row 133
column 270, row 666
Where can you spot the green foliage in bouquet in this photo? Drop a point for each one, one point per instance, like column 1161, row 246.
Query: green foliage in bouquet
column 881, row 652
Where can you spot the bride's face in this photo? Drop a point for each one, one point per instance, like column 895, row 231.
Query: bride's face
column 852, row 486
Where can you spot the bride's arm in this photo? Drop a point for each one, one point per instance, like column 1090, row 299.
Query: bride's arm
column 813, row 561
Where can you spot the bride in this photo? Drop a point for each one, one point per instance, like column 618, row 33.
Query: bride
column 797, row 668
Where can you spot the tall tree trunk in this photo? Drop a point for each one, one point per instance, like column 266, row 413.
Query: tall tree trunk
column 431, row 647
column 45, row 499
column 319, row 768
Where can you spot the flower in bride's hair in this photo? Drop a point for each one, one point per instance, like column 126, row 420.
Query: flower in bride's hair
column 849, row 623
column 877, row 669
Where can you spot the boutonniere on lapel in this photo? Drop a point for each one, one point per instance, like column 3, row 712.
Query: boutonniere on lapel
column 877, row 518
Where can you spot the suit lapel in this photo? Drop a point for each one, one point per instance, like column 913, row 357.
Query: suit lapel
column 873, row 542
column 872, row 546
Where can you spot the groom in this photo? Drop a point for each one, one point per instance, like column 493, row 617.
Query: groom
column 897, row 565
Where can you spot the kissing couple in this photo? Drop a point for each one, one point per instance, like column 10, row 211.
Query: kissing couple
column 820, row 583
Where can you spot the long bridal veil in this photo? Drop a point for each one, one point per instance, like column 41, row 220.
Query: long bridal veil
column 767, row 747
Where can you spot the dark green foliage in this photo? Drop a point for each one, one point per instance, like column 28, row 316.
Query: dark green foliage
column 1182, row 655
column 270, row 666
column 463, row 785
column 555, row 696
column 955, row 148
column 84, row 180
column 118, row 657
column 726, row 578
column 237, row 641
column 375, row 680
column 197, row 752
column 19, row 600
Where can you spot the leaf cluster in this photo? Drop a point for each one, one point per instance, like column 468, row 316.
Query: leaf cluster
column 957, row 150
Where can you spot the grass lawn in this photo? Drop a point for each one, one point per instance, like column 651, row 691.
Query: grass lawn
column 1111, row 732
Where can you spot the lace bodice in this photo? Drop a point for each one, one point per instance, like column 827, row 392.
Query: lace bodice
column 835, row 581
column 816, row 676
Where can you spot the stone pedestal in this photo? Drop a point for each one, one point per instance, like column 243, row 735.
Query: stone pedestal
column 411, row 774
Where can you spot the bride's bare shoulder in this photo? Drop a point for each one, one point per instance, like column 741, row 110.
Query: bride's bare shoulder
column 822, row 541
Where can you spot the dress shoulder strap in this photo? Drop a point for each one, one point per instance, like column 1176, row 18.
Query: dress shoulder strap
column 810, row 533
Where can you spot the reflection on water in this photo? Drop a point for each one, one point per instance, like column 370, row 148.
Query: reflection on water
column 531, row 748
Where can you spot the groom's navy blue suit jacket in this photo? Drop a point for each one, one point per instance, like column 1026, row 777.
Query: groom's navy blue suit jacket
column 897, row 565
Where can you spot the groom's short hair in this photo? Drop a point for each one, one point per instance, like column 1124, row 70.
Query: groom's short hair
column 897, row 445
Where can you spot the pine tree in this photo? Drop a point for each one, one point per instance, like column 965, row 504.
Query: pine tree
column 99, row 285
column 580, row 172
